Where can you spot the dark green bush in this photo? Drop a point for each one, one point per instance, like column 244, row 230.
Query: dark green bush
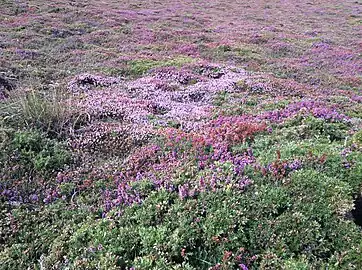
column 35, row 233
column 38, row 153
column 357, row 138
column 29, row 161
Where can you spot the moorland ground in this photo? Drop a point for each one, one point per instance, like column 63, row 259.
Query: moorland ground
column 180, row 134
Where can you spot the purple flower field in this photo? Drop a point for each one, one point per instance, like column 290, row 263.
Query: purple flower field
column 180, row 134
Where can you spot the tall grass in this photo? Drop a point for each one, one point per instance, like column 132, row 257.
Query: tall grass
column 48, row 111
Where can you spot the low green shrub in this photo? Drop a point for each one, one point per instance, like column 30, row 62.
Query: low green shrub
column 36, row 152
column 29, row 161
column 357, row 138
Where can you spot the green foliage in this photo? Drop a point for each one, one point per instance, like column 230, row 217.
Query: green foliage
column 35, row 232
column 334, row 131
column 241, row 55
column 220, row 98
column 141, row 66
column 29, row 161
column 300, row 137
column 36, row 152
column 357, row 138
column 277, row 105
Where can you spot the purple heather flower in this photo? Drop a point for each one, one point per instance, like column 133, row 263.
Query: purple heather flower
column 295, row 165
column 47, row 199
column 183, row 191
column 6, row 193
column 33, row 198
column 347, row 164
column 139, row 176
column 345, row 152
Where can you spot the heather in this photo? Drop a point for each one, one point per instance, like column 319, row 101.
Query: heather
column 180, row 135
